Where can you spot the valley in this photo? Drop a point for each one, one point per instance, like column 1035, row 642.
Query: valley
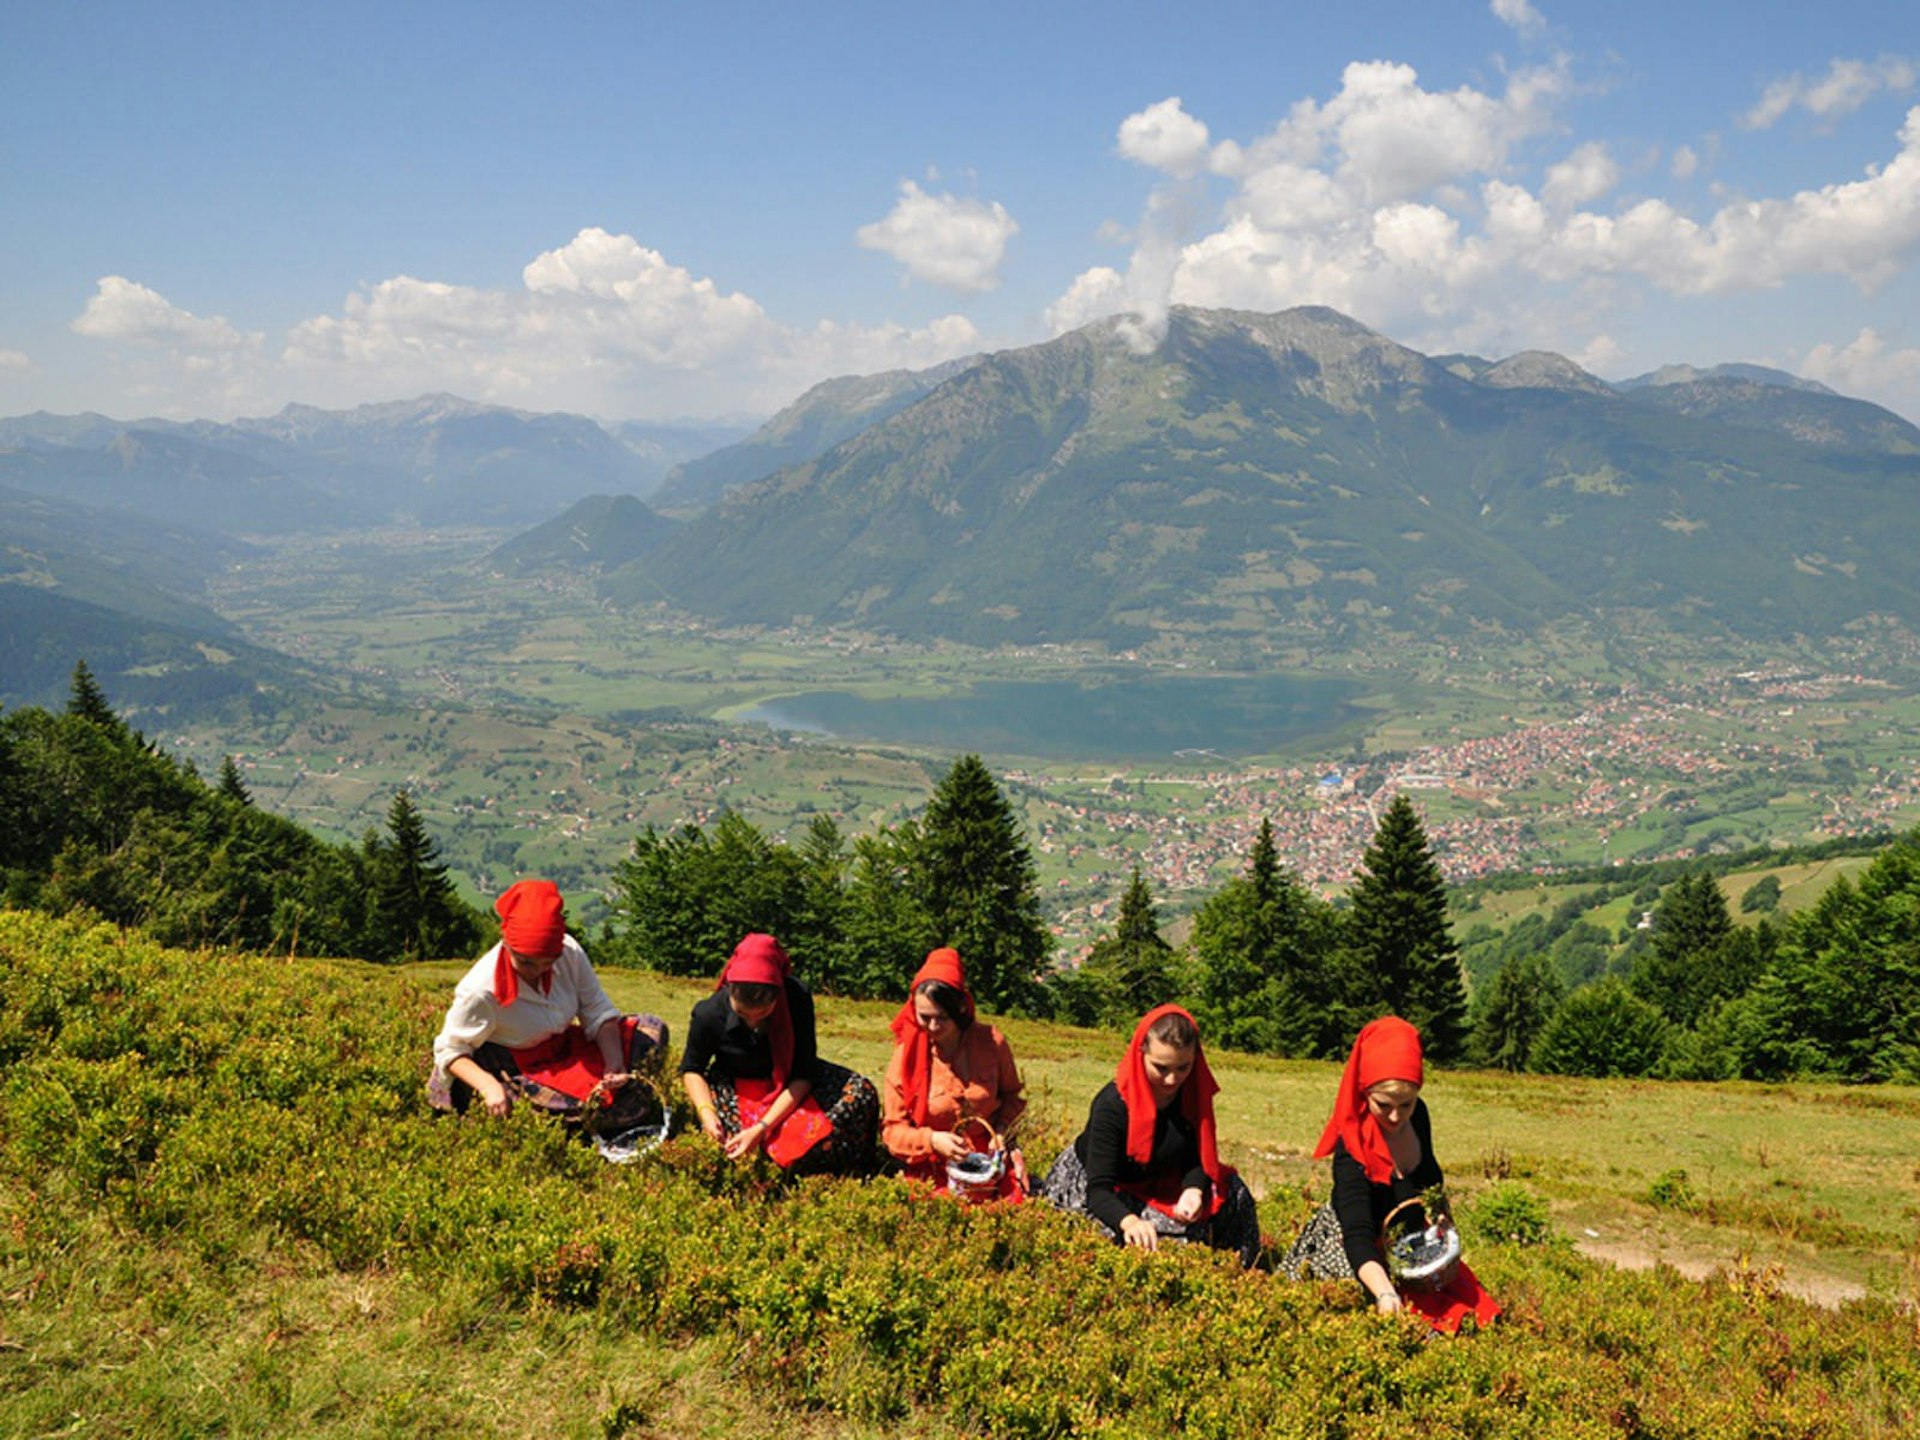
column 539, row 729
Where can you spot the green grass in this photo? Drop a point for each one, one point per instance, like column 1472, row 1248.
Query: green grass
column 225, row 1211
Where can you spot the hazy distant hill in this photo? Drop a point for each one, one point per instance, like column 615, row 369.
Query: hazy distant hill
column 436, row 460
column 599, row 530
column 830, row 412
column 659, row 448
column 1757, row 398
column 1259, row 474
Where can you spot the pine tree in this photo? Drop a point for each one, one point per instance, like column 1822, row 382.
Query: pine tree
column 1132, row 970
column 231, row 785
column 1401, row 943
column 88, row 701
column 416, row 914
column 1518, row 1005
column 1695, row 956
column 980, row 888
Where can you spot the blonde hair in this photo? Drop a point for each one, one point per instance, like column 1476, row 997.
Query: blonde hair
column 1397, row 1090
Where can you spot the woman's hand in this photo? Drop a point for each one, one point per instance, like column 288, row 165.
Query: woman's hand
column 1187, row 1208
column 1387, row 1303
column 746, row 1142
column 710, row 1125
column 613, row 1080
column 495, row 1096
column 1139, row 1233
column 947, row 1145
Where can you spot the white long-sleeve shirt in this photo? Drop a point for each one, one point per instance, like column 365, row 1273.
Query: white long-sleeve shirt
column 475, row 1017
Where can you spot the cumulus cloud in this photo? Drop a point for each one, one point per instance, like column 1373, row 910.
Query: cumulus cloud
column 1686, row 163
column 601, row 324
column 944, row 240
column 122, row 309
column 1868, row 366
column 1431, row 215
column 1520, row 14
column 1165, row 137
column 1847, row 85
column 14, row 362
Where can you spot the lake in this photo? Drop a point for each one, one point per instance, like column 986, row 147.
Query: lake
column 1121, row 719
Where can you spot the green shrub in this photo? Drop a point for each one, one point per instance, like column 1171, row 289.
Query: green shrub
column 1672, row 1190
column 1510, row 1213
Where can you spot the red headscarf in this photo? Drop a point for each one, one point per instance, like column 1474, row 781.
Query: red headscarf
column 1195, row 1100
column 759, row 960
column 533, row 923
column 1385, row 1049
column 943, row 965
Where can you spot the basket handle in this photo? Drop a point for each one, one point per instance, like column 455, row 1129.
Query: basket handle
column 968, row 1122
column 1386, row 1225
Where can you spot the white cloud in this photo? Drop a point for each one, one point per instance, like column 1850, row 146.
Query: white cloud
column 14, row 362
column 944, row 240
column 1165, row 137
column 123, row 310
column 1585, row 175
column 1867, row 366
column 1686, row 162
column 1847, row 85
column 1520, row 14
column 602, row 324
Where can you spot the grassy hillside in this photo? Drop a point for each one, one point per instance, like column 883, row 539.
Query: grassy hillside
column 225, row 1210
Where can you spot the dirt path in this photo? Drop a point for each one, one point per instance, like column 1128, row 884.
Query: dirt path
column 1632, row 1254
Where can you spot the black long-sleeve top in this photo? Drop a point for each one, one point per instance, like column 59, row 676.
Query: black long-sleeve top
column 720, row 1045
column 1102, row 1148
column 1362, row 1206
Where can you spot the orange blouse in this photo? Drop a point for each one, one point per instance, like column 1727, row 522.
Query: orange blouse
column 982, row 1081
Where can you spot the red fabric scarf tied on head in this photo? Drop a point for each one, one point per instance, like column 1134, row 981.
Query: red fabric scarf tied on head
column 1195, row 1101
column 1385, row 1049
column 533, row 922
column 759, row 960
column 942, row 965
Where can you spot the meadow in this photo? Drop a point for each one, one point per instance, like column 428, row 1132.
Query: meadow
column 225, row 1209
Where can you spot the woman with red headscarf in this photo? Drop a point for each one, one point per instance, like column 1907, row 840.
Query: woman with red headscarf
column 946, row 1067
column 751, row 1070
column 1148, row 1164
column 530, row 1021
column 1381, row 1141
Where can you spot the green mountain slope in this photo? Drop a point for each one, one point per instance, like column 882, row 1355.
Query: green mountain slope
column 1263, row 474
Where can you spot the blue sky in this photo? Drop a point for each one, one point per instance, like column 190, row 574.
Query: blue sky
column 651, row 211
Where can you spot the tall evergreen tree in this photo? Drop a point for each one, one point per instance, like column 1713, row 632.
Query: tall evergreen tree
column 1518, row 1005
column 888, row 929
column 980, row 888
column 1402, row 946
column 1131, row 970
column 415, row 914
column 1695, row 956
column 231, row 785
column 88, row 701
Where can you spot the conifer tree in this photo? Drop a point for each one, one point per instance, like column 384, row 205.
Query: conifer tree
column 88, row 701
column 979, row 888
column 415, row 912
column 1518, row 1005
column 1403, row 950
column 231, row 785
column 1695, row 956
column 1132, row 970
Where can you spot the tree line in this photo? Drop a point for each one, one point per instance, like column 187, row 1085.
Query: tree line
column 101, row 819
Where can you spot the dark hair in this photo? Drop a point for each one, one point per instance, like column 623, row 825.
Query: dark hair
column 951, row 999
column 1175, row 1030
column 752, row 995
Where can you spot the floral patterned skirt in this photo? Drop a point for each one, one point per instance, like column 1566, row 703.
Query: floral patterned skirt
column 1235, row 1226
column 851, row 1103
column 1321, row 1251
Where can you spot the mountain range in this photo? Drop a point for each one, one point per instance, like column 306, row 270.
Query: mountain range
column 1260, row 475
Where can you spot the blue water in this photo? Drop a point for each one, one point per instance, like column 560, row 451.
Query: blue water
column 1121, row 719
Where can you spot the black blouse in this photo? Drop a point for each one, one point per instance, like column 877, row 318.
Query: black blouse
column 720, row 1045
column 1102, row 1148
column 1362, row 1206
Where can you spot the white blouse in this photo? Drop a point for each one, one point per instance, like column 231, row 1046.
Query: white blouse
column 475, row 1017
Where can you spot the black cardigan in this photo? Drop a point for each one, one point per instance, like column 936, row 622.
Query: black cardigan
column 1362, row 1206
column 720, row 1045
column 1102, row 1148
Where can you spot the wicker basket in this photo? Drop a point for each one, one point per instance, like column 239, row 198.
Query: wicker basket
column 977, row 1176
column 1424, row 1259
